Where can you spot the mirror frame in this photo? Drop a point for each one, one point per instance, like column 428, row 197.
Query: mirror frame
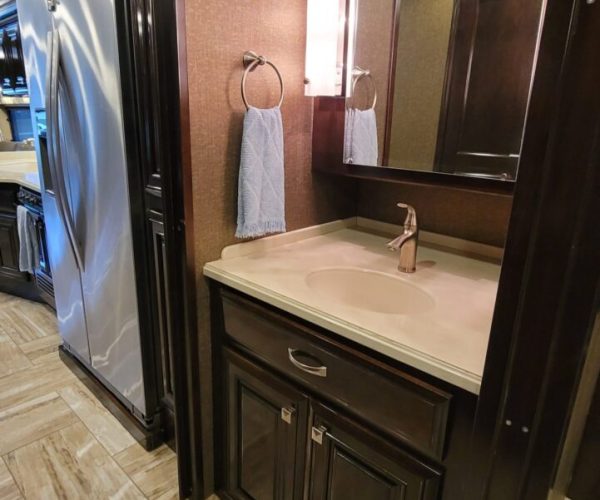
column 328, row 156
column 328, row 139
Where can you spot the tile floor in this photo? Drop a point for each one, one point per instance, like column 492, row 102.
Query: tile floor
column 56, row 439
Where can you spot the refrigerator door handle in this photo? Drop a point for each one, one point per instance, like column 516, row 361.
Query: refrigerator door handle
column 54, row 146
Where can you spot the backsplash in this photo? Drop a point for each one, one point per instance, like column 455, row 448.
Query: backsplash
column 470, row 215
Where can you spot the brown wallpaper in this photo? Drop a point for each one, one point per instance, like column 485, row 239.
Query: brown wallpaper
column 375, row 24
column 422, row 50
column 471, row 215
column 218, row 33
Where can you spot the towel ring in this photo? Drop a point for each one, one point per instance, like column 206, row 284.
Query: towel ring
column 357, row 75
column 251, row 62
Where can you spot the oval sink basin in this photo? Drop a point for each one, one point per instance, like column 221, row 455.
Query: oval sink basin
column 370, row 291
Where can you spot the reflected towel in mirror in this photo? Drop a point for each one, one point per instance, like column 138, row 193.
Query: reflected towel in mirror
column 261, row 193
column 360, row 137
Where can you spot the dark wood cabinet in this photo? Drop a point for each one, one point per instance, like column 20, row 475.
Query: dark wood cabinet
column 9, row 248
column 12, row 65
column 266, row 425
column 348, row 462
column 488, row 84
column 294, row 418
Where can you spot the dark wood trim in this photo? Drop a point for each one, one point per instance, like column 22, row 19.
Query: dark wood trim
column 187, row 375
column 443, row 122
column 133, row 119
column 159, row 116
column 550, row 274
column 328, row 153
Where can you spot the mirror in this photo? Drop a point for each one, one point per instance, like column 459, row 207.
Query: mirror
column 441, row 85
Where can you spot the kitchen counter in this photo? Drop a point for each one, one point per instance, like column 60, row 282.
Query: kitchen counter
column 20, row 167
column 448, row 340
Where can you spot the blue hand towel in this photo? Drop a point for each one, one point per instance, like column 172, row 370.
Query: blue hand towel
column 261, row 194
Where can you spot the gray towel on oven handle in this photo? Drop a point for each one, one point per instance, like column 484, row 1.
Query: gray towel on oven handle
column 29, row 255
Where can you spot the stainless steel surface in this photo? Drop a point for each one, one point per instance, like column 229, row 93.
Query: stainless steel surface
column 357, row 75
column 316, row 434
column 407, row 242
column 35, row 22
column 319, row 371
column 94, row 176
column 57, row 171
column 287, row 414
column 505, row 176
column 251, row 60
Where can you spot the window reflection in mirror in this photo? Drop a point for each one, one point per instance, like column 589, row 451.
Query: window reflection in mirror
column 451, row 80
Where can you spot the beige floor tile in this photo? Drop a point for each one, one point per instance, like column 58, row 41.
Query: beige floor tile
column 8, row 487
column 106, row 428
column 154, row 472
column 22, row 424
column 69, row 464
column 38, row 380
column 11, row 358
column 42, row 350
column 40, row 315
column 18, row 326
column 7, row 300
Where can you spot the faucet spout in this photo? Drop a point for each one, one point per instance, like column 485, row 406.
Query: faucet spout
column 407, row 242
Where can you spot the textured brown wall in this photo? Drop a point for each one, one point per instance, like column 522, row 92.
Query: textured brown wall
column 375, row 24
column 218, row 33
column 422, row 51
column 471, row 215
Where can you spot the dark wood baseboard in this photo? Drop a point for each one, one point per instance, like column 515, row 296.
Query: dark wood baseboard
column 24, row 289
column 149, row 437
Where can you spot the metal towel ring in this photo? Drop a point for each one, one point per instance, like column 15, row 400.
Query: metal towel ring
column 251, row 62
column 358, row 74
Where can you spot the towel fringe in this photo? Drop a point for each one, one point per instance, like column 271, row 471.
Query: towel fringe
column 260, row 229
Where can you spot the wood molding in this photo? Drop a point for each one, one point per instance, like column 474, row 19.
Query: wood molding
column 550, row 273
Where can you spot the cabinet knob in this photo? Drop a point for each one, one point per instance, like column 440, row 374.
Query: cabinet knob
column 287, row 414
column 316, row 434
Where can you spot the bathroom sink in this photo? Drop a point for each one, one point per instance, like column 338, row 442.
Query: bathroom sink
column 370, row 291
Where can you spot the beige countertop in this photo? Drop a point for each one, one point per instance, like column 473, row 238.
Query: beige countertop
column 448, row 341
column 20, row 167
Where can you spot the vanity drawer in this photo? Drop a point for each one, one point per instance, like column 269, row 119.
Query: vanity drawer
column 413, row 411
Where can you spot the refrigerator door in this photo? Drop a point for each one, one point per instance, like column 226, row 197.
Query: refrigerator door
column 35, row 23
column 96, row 168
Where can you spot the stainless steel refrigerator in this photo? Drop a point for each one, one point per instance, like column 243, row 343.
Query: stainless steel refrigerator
column 72, row 65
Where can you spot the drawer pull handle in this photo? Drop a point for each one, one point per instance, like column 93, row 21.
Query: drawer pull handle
column 319, row 371
column 316, row 434
column 287, row 414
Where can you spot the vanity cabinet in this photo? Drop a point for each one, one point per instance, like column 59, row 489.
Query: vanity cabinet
column 302, row 414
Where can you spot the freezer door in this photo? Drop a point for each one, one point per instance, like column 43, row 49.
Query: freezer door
column 35, row 23
column 99, row 193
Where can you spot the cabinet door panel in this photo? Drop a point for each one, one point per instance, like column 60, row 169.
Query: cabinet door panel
column 350, row 463
column 266, row 429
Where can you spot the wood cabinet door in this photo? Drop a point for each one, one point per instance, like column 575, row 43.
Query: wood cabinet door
column 350, row 463
column 266, row 433
column 9, row 247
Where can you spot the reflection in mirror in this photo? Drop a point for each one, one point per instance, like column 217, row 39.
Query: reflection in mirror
column 451, row 80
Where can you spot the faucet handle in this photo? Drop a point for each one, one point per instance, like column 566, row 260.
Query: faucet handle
column 411, row 216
